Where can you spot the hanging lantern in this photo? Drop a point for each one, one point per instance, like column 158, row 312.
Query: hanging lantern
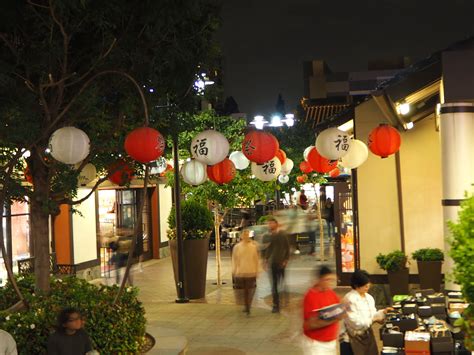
column 259, row 146
column 301, row 179
column 305, row 167
column 210, row 147
column 221, row 173
column 27, row 174
column 281, row 155
column 319, row 163
column 333, row 143
column 121, row 173
column 144, row 144
column 240, row 160
column 194, row 172
column 158, row 166
column 87, row 174
column 267, row 171
column 356, row 156
column 69, row 145
column 306, row 152
column 283, row 179
column 287, row 166
column 384, row 140
column 334, row 173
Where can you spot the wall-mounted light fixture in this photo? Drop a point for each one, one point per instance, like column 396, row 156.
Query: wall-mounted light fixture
column 259, row 121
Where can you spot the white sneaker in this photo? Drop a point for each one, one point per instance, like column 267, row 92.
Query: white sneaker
column 297, row 252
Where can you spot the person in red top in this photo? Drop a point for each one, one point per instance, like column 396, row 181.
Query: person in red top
column 321, row 336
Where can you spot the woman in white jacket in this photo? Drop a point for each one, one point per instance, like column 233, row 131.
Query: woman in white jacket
column 361, row 314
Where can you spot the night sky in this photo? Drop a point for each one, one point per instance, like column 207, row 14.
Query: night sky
column 265, row 42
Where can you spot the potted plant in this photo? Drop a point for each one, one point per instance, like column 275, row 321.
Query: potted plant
column 429, row 262
column 197, row 225
column 395, row 263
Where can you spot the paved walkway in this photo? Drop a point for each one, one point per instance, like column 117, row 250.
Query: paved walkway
column 216, row 324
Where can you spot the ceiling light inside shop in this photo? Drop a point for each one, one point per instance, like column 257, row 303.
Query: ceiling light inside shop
column 409, row 125
column 403, row 109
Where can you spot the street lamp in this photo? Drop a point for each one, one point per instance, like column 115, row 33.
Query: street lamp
column 260, row 122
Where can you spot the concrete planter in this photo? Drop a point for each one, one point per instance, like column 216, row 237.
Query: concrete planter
column 430, row 274
column 398, row 281
column 195, row 266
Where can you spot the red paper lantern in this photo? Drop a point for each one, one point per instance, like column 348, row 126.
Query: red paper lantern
column 27, row 174
column 305, row 167
column 384, row 140
column 145, row 144
column 334, row 172
column 121, row 172
column 221, row 173
column 281, row 155
column 259, row 146
column 301, row 179
column 319, row 163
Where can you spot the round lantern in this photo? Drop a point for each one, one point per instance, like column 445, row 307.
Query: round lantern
column 384, row 140
column 87, row 174
column 210, row 147
column 267, row 171
column 69, row 145
column 305, row 167
column 306, row 152
column 221, row 173
column 287, row 166
column 334, row 173
column 27, row 174
column 121, row 173
column 144, row 144
column 319, row 163
column 194, row 172
column 240, row 160
column 259, row 146
column 281, row 155
column 158, row 166
column 283, row 179
column 333, row 143
column 356, row 156
column 301, row 179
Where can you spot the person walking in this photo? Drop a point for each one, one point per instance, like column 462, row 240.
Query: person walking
column 322, row 333
column 329, row 215
column 245, row 267
column 277, row 255
column 361, row 315
column 7, row 344
column 70, row 338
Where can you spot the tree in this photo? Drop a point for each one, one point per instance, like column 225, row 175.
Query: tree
column 83, row 63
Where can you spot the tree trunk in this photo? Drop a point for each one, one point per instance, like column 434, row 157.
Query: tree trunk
column 39, row 222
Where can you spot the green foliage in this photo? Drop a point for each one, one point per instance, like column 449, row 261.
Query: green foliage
column 113, row 330
column 196, row 220
column 428, row 254
column 394, row 261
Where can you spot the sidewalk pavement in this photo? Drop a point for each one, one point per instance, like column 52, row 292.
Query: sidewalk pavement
column 216, row 324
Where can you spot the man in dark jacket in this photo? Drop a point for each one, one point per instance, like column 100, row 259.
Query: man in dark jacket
column 276, row 257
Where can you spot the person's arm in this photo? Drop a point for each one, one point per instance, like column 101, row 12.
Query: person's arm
column 234, row 259
column 314, row 322
column 287, row 248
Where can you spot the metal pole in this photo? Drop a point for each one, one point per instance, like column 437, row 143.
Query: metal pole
column 179, row 227
column 218, row 244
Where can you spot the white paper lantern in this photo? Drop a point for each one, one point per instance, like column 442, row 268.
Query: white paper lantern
column 210, row 147
column 69, row 145
column 194, row 172
column 287, row 167
column 240, row 160
column 267, row 171
column 333, row 143
column 356, row 155
column 306, row 152
column 158, row 166
column 283, row 179
column 87, row 174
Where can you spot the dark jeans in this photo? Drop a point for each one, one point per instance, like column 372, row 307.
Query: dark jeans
column 331, row 229
column 278, row 274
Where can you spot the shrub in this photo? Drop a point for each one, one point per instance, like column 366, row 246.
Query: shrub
column 428, row 254
column 394, row 261
column 113, row 329
column 196, row 219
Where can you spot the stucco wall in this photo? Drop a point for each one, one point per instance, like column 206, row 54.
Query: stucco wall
column 166, row 202
column 85, row 229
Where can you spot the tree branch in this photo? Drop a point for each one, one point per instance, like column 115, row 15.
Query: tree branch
column 65, row 37
column 9, row 44
column 37, row 5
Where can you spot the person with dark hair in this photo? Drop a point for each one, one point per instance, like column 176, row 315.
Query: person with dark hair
column 321, row 331
column 70, row 338
column 361, row 315
column 277, row 255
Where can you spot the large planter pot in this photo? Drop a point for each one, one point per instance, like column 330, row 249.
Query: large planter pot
column 195, row 266
column 430, row 274
column 398, row 281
